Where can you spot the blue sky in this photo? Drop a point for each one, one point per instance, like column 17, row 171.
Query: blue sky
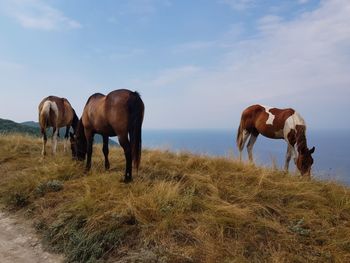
column 197, row 64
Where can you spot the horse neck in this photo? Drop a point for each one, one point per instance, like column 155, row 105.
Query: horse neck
column 80, row 129
column 75, row 121
column 301, row 138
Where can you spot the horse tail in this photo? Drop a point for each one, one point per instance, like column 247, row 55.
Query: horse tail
column 136, row 111
column 239, row 138
column 44, row 114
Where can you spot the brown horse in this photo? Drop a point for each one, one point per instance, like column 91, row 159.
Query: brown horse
column 120, row 113
column 56, row 112
column 276, row 123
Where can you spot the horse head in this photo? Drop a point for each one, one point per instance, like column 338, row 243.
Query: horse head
column 78, row 146
column 304, row 160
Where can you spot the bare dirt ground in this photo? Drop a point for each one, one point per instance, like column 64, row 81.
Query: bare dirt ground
column 19, row 243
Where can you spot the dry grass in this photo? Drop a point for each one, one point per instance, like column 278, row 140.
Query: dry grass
column 180, row 208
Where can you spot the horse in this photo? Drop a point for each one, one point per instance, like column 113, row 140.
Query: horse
column 56, row 112
column 276, row 123
column 119, row 113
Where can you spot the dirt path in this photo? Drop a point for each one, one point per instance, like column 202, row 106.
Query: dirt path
column 18, row 243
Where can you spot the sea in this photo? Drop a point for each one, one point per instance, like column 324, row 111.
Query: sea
column 331, row 157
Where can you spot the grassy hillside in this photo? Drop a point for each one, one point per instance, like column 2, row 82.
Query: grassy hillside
column 180, row 208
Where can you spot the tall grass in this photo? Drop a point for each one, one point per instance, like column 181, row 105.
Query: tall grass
column 179, row 208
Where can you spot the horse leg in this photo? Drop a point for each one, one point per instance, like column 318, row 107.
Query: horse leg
column 43, row 132
column 66, row 137
column 244, row 137
column 294, row 153
column 89, row 140
column 288, row 157
column 54, row 140
column 105, row 151
column 125, row 144
column 252, row 140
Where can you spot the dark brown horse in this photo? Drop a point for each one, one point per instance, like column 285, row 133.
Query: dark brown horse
column 120, row 113
column 56, row 112
column 276, row 123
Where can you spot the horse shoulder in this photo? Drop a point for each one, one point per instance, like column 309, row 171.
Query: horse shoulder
column 292, row 122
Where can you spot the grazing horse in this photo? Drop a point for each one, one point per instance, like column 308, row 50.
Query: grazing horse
column 276, row 123
column 56, row 112
column 120, row 113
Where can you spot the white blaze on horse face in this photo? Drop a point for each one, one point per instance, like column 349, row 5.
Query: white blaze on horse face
column 271, row 116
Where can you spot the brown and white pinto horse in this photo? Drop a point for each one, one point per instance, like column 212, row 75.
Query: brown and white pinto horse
column 120, row 113
column 276, row 123
column 56, row 112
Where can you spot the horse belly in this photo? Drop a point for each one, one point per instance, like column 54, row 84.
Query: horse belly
column 109, row 133
column 106, row 131
column 62, row 123
column 272, row 134
column 279, row 134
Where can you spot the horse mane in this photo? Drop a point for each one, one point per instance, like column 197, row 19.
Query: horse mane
column 301, row 138
column 80, row 129
column 75, row 121
column 137, row 94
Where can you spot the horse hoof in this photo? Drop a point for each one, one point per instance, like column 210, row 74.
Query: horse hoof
column 127, row 180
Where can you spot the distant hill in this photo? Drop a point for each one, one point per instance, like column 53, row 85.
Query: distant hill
column 8, row 126
column 31, row 124
column 32, row 128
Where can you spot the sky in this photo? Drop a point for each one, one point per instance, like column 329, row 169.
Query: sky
column 197, row 64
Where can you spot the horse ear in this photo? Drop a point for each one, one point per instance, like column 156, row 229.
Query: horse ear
column 312, row 150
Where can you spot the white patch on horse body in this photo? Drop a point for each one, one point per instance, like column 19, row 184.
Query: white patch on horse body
column 54, row 108
column 49, row 105
column 271, row 116
column 290, row 124
column 45, row 111
column 46, row 107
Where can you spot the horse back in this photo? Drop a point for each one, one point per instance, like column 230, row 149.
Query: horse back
column 268, row 121
column 108, row 114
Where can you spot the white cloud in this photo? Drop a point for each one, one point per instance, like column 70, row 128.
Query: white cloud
column 37, row 14
column 194, row 45
column 141, row 7
column 239, row 5
column 269, row 23
column 126, row 53
column 224, row 41
column 9, row 65
column 174, row 75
